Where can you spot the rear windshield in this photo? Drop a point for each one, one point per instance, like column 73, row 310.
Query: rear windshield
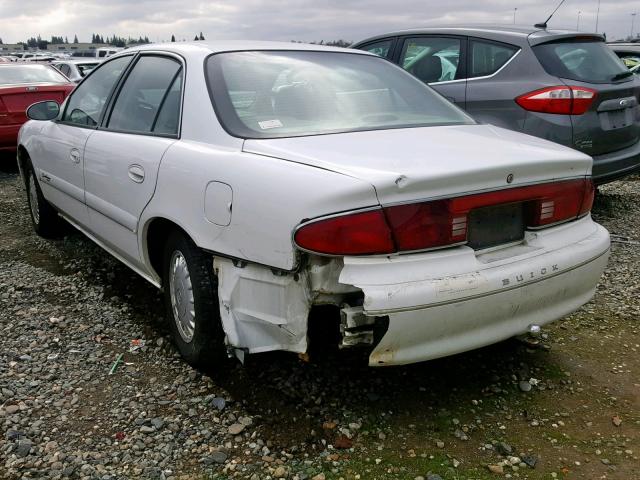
column 17, row 74
column 584, row 61
column 272, row 94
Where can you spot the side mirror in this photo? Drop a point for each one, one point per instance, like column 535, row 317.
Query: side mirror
column 47, row 110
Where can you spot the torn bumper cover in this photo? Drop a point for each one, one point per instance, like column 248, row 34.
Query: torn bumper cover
column 445, row 302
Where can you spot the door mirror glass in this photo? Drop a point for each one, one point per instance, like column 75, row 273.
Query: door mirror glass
column 47, row 110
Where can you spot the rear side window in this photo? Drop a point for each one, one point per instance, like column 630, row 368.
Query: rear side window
column 147, row 88
column 584, row 61
column 379, row 48
column 431, row 59
column 488, row 57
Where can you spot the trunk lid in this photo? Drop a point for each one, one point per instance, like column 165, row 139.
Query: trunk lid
column 612, row 122
column 15, row 99
column 430, row 162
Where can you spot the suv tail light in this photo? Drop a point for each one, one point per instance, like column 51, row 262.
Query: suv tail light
column 558, row 100
column 439, row 223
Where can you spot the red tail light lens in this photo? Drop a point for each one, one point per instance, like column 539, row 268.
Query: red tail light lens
column 558, row 100
column 365, row 233
column 440, row 223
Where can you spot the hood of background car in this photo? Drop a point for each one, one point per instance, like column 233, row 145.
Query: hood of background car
column 410, row 163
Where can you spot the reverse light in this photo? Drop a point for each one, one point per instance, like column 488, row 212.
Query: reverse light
column 558, row 100
column 440, row 223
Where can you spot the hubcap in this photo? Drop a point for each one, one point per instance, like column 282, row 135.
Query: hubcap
column 33, row 199
column 181, row 294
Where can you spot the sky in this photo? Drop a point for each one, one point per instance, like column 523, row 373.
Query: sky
column 305, row 20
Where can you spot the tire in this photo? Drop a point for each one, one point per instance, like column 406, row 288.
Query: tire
column 191, row 302
column 45, row 219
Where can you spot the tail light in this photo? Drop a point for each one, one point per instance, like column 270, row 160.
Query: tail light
column 439, row 223
column 558, row 100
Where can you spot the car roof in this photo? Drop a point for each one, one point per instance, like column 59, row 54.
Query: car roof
column 522, row 32
column 28, row 64
column 205, row 48
column 77, row 61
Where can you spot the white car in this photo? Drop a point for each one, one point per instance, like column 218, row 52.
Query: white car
column 76, row 70
column 255, row 181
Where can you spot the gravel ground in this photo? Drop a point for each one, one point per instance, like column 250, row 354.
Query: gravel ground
column 567, row 408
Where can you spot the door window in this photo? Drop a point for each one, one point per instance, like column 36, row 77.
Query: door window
column 153, row 84
column 168, row 119
column 431, row 59
column 87, row 102
column 488, row 57
column 379, row 48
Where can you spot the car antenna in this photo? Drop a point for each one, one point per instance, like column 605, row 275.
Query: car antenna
column 543, row 25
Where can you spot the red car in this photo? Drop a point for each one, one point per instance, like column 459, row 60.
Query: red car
column 21, row 85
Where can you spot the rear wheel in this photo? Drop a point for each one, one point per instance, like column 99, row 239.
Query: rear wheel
column 46, row 221
column 191, row 302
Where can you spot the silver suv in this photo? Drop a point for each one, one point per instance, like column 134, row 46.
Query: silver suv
column 566, row 87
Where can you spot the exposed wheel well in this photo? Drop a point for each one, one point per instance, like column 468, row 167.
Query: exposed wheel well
column 157, row 234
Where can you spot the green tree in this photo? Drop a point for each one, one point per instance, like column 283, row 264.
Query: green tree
column 173, row 38
column 75, row 39
column 201, row 36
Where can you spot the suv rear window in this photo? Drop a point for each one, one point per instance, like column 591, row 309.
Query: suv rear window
column 584, row 61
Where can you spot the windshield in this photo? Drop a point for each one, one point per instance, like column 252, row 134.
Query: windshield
column 17, row 74
column 272, row 94
column 585, row 61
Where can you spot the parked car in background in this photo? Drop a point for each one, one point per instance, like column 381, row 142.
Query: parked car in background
column 76, row 70
column 5, row 59
column 284, row 176
column 629, row 53
column 38, row 57
column 101, row 53
column 22, row 84
column 566, row 87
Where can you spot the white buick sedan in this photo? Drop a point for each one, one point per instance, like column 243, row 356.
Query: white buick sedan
column 255, row 181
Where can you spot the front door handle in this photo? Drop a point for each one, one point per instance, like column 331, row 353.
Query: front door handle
column 136, row 173
column 75, row 155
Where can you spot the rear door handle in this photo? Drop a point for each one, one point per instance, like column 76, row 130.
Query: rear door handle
column 136, row 173
column 75, row 155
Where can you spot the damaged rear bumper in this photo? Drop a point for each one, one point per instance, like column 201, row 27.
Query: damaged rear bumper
column 447, row 302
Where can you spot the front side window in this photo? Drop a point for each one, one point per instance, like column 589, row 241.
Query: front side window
column 143, row 94
column 488, row 57
column 272, row 94
column 431, row 59
column 87, row 102
column 584, row 61
column 379, row 48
